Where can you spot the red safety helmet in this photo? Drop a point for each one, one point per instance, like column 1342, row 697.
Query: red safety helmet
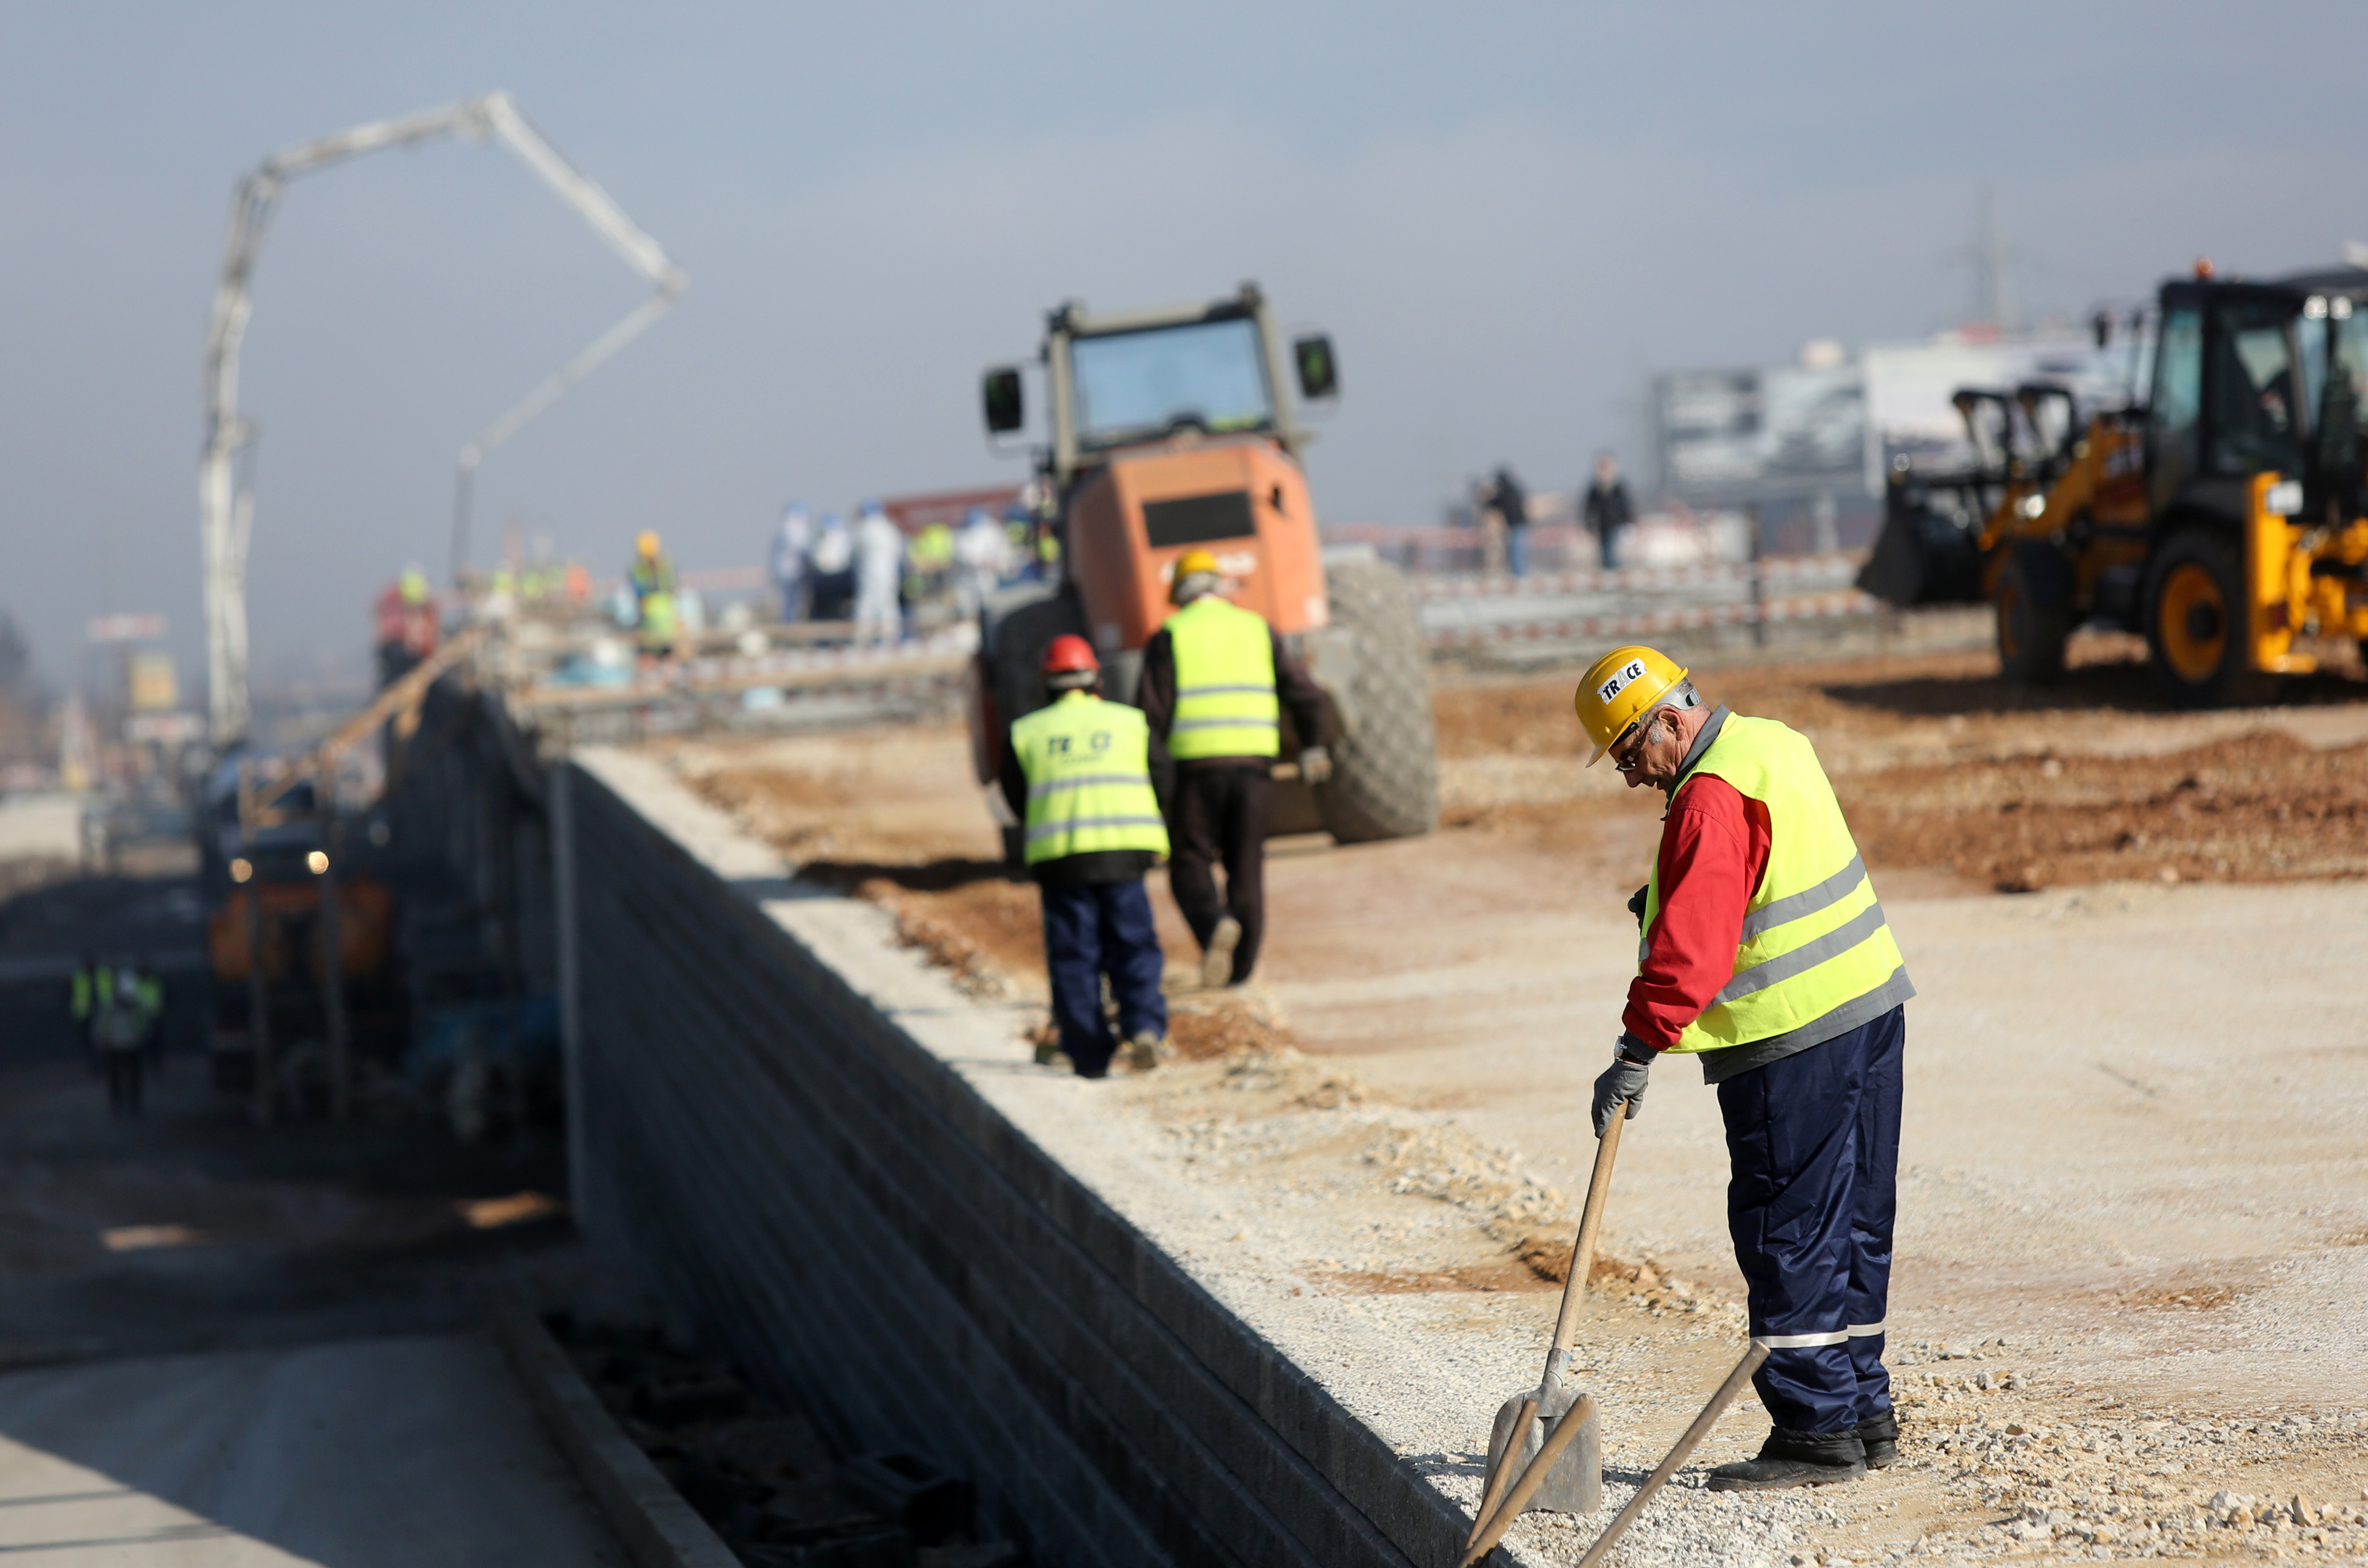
column 1070, row 655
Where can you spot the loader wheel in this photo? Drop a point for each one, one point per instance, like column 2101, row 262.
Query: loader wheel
column 1384, row 766
column 2194, row 623
column 2033, row 623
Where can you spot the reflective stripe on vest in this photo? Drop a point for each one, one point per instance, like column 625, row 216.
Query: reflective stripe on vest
column 1224, row 683
column 1814, row 938
column 1088, row 768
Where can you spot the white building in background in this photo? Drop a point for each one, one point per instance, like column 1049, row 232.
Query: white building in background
column 1818, row 436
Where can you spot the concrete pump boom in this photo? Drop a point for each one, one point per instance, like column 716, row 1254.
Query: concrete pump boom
column 227, row 508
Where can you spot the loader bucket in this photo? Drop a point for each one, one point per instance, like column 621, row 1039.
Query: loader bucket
column 1922, row 556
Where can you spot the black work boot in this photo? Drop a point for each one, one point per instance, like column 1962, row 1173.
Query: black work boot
column 1881, row 1436
column 1795, row 1458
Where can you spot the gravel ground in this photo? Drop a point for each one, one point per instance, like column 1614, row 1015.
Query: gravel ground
column 2131, row 1315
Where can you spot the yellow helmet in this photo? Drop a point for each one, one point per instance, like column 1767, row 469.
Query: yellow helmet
column 1619, row 689
column 1191, row 563
column 648, row 542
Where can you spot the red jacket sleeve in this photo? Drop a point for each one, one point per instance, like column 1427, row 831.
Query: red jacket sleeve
column 1714, row 852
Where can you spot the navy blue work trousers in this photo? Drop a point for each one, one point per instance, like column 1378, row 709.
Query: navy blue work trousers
column 1092, row 930
column 1813, row 1143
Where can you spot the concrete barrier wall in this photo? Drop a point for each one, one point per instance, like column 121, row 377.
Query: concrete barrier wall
column 846, row 1173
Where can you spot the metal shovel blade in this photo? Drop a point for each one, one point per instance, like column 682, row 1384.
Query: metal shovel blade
column 1575, row 1483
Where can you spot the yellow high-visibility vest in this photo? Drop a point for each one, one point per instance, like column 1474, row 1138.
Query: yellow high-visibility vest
column 1088, row 768
column 1224, row 683
column 1814, row 940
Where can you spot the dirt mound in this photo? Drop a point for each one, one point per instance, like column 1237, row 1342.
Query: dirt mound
column 1942, row 767
column 2263, row 807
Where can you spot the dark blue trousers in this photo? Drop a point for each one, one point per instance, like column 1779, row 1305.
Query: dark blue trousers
column 1813, row 1142
column 1094, row 929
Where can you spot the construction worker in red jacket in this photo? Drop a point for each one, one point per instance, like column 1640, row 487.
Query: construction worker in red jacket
column 1765, row 955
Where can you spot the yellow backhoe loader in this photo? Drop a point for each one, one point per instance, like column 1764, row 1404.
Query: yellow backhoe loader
column 2224, row 516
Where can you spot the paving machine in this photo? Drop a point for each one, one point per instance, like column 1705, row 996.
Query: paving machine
column 1171, row 430
column 2222, row 513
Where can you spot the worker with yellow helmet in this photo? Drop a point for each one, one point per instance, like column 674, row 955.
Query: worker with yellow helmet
column 1216, row 681
column 652, row 579
column 1765, row 954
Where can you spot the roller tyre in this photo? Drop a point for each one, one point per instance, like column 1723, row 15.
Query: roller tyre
column 1385, row 779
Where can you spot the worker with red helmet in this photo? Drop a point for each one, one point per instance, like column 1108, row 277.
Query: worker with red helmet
column 1085, row 777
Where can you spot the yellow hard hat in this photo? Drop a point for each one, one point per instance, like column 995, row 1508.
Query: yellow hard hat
column 1191, row 563
column 648, row 542
column 1619, row 689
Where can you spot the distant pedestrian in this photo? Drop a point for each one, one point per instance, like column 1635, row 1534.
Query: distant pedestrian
column 790, row 547
column 1512, row 504
column 831, row 589
column 879, row 575
column 1607, row 509
column 982, row 557
column 1084, row 776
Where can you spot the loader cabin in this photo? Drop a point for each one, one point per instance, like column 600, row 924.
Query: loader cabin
column 2258, row 378
column 1170, row 431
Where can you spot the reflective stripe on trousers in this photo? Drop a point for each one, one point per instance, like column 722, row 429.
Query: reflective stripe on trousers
column 1804, row 1341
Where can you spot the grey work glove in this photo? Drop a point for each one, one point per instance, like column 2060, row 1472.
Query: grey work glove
column 1623, row 1080
column 1636, row 904
column 1316, row 764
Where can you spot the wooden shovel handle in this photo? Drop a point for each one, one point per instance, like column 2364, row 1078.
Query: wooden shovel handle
column 1581, row 1412
column 1574, row 1286
column 1684, row 1446
column 1591, row 1228
column 1494, row 1492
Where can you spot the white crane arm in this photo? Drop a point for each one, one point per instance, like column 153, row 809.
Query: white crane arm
column 224, row 507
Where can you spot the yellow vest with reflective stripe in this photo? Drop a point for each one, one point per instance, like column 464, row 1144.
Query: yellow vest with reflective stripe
column 1814, row 937
column 1224, row 683
column 1089, row 768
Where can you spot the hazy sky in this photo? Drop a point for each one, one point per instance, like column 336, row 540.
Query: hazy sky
column 1507, row 215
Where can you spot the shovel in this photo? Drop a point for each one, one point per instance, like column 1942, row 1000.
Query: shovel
column 1484, row 1538
column 1528, row 1423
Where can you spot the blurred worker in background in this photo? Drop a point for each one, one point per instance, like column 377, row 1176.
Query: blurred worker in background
column 929, row 567
column 1607, row 509
column 151, row 988
column 1034, row 547
column 124, row 1028
column 89, row 981
column 652, row 585
column 879, row 575
column 790, row 546
column 981, row 555
column 406, row 625
column 1512, row 504
column 1766, row 953
column 1085, row 778
column 1216, row 682
column 831, row 592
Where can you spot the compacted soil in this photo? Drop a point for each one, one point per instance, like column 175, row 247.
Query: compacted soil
column 2130, row 1314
